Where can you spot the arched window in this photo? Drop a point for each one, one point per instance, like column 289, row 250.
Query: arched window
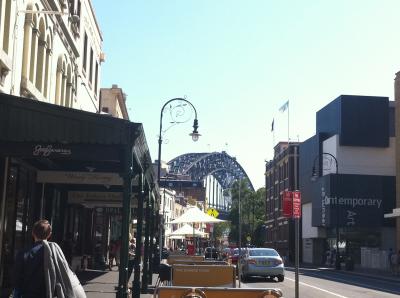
column 68, row 92
column 28, row 30
column 33, row 48
column 41, row 55
column 47, row 67
column 5, row 23
column 59, row 81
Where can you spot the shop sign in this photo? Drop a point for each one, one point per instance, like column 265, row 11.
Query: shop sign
column 50, row 150
column 98, row 198
column 61, row 177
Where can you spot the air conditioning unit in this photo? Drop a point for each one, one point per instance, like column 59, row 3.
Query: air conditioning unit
column 102, row 57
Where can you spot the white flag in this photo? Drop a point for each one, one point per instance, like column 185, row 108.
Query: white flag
column 284, row 107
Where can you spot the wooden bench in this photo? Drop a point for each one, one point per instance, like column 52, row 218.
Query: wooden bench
column 205, row 262
column 176, row 258
column 203, row 275
column 218, row 292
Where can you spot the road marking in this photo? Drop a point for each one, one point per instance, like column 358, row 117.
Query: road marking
column 359, row 284
column 314, row 287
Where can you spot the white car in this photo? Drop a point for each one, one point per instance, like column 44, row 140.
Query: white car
column 264, row 262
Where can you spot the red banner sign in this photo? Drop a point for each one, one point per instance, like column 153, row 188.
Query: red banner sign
column 291, row 204
column 296, row 204
column 287, row 204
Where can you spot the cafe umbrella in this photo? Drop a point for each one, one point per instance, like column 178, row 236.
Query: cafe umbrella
column 194, row 215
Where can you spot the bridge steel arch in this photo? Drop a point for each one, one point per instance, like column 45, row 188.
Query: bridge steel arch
column 223, row 167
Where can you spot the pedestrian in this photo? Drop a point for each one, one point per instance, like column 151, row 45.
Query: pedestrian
column 112, row 249
column 42, row 271
column 390, row 253
column 394, row 263
column 131, row 256
column 68, row 247
column 118, row 251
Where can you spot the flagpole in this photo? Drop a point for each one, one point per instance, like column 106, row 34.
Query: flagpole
column 288, row 138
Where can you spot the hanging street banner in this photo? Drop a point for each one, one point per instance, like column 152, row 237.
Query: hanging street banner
column 287, row 204
column 296, row 204
column 291, row 204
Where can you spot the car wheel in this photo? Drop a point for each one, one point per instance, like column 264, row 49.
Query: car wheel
column 281, row 278
column 243, row 278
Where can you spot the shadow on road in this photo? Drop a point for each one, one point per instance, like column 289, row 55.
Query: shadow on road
column 364, row 281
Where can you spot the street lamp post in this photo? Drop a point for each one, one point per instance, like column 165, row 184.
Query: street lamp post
column 314, row 177
column 178, row 115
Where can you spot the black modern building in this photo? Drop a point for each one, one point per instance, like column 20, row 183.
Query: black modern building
column 352, row 158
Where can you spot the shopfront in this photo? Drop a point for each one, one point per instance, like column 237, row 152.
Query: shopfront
column 49, row 155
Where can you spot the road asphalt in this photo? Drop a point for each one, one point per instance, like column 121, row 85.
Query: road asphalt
column 102, row 284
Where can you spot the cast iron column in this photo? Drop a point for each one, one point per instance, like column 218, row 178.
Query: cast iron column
column 136, row 278
column 126, row 216
column 146, row 245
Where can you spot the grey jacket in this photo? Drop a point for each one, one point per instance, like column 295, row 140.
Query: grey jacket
column 57, row 272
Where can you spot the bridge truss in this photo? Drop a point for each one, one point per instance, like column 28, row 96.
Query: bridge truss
column 219, row 165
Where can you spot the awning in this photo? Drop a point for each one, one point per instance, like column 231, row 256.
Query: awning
column 56, row 138
column 85, row 150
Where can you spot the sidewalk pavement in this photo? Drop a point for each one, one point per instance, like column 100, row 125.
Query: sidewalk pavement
column 101, row 284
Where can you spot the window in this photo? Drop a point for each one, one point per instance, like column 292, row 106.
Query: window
column 91, row 67
column 96, row 77
column 85, row 42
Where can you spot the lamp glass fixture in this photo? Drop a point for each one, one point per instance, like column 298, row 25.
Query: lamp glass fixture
column 195, row 136
column 314, row 175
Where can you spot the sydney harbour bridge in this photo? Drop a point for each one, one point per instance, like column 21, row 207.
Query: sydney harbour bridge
column 218, row 170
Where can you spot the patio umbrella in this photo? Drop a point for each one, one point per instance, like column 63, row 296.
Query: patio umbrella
column 195, row 215
column 186, row 230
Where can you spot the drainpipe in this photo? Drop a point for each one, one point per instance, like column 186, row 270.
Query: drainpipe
column 397, row 146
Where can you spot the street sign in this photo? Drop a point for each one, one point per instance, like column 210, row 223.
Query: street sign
column 213, row 212
column 287, row 204
column 296, row 204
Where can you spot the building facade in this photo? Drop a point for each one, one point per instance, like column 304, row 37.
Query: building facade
column 351, row 159
column 59, row 158
column 51, row 51
column 281, row 174
column 113, row 102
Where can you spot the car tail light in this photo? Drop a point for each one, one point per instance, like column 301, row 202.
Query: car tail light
column 251, row 261
column 278, row 262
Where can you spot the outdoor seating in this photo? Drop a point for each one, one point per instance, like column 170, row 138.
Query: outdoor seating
column 217, row 292
column 164, row 275
column 203, row 275
column 173, row 259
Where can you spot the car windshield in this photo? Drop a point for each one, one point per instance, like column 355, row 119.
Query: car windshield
column 263, row 253
column 236, row 251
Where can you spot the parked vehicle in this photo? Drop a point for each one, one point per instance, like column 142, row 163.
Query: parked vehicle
column 264, row 262
column 211, row 253
column 234, row 256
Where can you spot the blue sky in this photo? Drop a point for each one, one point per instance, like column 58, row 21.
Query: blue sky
column 238, row 62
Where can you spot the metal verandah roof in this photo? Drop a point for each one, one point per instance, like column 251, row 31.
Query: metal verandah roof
column 27, row 120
